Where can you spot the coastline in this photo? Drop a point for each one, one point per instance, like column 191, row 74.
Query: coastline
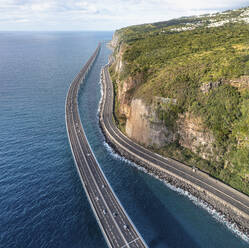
column 236, row 219
column 218, row 215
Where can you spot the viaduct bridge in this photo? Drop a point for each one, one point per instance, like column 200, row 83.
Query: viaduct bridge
column 116, row 226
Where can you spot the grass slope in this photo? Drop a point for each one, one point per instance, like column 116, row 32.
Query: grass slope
column 176, row 58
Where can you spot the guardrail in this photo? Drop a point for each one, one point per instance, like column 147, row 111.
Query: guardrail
column 75, row 131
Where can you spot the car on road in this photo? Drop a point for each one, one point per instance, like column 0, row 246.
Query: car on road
column 114, row 214
column 125, row 227
column 104, row 212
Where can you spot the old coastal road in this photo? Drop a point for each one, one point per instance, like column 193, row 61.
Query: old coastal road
column 114, row 223
column 201, row 181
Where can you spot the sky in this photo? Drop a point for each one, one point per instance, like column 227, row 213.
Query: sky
column 49, row 15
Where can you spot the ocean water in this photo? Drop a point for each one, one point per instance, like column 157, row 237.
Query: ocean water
column 42, row 202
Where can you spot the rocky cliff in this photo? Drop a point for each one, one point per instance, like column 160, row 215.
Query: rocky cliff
column 182, row 89
column 142, row 120
column 144, row 126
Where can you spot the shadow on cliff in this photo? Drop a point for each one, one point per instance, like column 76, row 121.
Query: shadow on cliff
column 165, row 231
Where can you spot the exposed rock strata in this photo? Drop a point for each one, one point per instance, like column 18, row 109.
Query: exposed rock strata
column 231, row 214
column 144, row 126
column 195, row 136
column 241, row 83
column 142, row 121
column 206, row 87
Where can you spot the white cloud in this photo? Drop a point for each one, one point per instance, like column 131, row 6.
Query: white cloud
column 101, row 14
column 40, row 6
column 21, row 20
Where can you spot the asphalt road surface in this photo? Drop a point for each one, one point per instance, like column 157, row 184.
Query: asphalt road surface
column 117, row 228
column 235, row 199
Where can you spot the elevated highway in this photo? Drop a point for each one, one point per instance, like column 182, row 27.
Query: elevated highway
column 117, row 228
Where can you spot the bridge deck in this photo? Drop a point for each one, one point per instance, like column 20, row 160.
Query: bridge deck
column 115, row 224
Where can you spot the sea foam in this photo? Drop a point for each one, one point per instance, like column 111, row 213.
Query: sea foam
column 198, row 202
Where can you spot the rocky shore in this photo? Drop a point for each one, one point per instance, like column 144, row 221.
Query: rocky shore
column 233, row 217
column 239, row 220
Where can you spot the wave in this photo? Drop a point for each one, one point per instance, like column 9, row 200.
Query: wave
column 101, row 96
column 198, row 202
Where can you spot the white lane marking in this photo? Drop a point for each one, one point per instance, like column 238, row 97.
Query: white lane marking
column 176, row 168
column 183, row 172
column 112, row 199
column 100, row 192
column 116, row 205
column 74, row 102
column 103, row 219
column 76, row 151
column 86, row 178
column 131, row 242
column 104, row 104
column 133, row 233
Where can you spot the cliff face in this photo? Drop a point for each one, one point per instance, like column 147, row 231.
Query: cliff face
column 115, row 40
column 125, row 92
column 142, row 123
column 142, row 120
column 125, row 87
column 144, row 126
column 195, row 136
column 182, row 88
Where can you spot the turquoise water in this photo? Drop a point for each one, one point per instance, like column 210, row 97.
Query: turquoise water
column 42, row 201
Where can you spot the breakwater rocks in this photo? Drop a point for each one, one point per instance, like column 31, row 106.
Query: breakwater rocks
column 237, row 219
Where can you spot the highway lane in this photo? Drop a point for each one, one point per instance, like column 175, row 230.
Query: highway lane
column 117, row 228
column 91, row 188
column 113, row 208
column 225, row 193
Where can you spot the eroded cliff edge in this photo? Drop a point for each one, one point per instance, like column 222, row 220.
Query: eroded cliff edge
column 181, row 106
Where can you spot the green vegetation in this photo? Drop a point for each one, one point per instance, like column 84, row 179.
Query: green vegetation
column 220, row 109
column 176, row 64
column 118, row 118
